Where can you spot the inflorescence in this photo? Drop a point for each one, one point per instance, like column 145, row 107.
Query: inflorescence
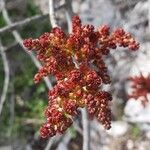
column 141, row 88
column 76, row 60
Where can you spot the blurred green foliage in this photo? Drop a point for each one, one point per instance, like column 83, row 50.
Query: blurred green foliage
column 29, row 99
column 1, row 75
column 7, row 38
column 31, row 9
column 136, row 132
column 2, row 21
column 73, row 132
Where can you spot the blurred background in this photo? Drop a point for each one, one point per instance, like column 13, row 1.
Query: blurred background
column 22, row 102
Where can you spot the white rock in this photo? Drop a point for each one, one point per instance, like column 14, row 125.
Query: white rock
column 148, row 134
column 136, row 113
column 133, row 107
column 118, row 128
column 130, row 145
column 94, row 12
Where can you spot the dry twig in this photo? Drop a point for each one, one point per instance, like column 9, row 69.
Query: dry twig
column 6, row 80
column 86, row 130
column 52, row 14
column 19, row 24
column 20, row 41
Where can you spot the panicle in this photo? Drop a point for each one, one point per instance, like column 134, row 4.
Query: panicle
column 77, row 62
column 141, row 88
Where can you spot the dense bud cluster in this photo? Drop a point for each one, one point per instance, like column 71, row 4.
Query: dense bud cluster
column 141, row 88
column 76, row 60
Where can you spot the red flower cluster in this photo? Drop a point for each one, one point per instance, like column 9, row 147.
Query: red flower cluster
column 76, row 60
column 141, row 87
